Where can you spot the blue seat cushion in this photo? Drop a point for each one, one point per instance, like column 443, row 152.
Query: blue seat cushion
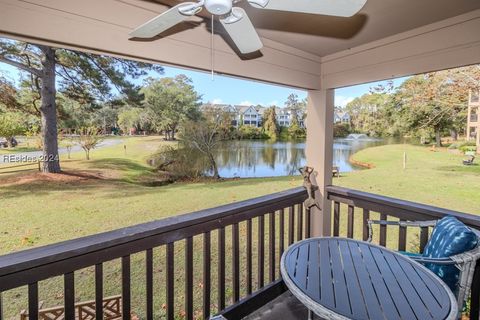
column 449, row 237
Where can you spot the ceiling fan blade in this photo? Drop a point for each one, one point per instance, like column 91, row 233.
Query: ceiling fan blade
column 341, row 8
column 166, row 20
column 241, row 30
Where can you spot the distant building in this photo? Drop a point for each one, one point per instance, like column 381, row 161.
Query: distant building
column 341, row 116
column 254, row 115
column 473, row 124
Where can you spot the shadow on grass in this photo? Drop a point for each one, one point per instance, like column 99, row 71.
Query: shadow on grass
column 111, row 189
column 43, row 188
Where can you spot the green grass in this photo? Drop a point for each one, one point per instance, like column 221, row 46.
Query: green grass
column 40, row 212
column 435, row 178
column 17, row 150
column 36, row 213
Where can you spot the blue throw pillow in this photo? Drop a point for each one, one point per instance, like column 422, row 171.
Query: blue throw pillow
column 449, row 237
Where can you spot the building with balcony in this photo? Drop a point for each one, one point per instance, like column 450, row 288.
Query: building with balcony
column 254, row 115
column 473, row 123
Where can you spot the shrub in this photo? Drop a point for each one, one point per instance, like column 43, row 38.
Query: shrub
column 341, row 130
column 295, row 131
column 249, row 132
column 180, row 162
column 468, row 146
column 465, row 149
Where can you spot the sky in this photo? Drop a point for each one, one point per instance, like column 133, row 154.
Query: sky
column 229, row 90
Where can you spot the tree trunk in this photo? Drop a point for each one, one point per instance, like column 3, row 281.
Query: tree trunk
column 454, row 134
column 48, row 110
column 438, row 137
column 213, row 163
column 173, row 128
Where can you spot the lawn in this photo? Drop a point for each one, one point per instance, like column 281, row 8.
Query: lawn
column 106, row 193
column 112, row 191
column 436, row 178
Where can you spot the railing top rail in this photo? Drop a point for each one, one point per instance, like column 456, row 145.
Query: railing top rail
column 397, row 207
column 58, row 252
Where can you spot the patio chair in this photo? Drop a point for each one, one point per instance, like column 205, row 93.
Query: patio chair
column 451, row 252
column 469, row 160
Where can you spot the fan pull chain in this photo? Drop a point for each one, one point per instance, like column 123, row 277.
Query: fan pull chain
column 212, row 48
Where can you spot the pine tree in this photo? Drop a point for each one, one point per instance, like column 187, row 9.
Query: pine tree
column 79, row 76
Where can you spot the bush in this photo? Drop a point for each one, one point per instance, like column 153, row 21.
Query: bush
column 249, row 132
column 284, row 135
column 465, row 149
column 341, row 130
column 295, row 131
column 467, row 146
column 180, row 162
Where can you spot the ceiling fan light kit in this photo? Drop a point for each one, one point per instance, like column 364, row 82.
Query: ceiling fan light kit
column 218, row 7
column 235, row 20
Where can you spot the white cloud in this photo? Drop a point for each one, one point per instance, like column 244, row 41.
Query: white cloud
column 216, row 101
column 246, row 103
column 342, row 101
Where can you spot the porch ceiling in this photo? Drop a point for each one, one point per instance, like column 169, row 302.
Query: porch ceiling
column 324, row 35
column 296, row 45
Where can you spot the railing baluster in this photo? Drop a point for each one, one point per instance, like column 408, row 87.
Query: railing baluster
column 271, row 248
column 308, row 223
column 33, row 301
column 189, row 278
column 206, row 274
column 383, row 231
column 336, row 219
column 365, row 218
column 249, row 256
column 99, row 291
column 402, row 238
column 282, row 232
column 236, row 262
column 149, row 280
column 170, row 252
column 291, row 225
column 351, row 213
column 423, row 238
column 221, row 269
column 299, row 222
column 261, row 250
column 69, row 295
column 125, row 288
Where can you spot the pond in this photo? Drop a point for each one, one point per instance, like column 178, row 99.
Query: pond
column 259, row 158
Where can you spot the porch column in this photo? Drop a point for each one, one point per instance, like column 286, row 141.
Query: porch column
column 319, row 152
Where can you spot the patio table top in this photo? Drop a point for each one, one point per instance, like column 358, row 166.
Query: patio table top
column 339, row 278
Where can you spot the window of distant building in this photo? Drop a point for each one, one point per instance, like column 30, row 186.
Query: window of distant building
column 475, row 97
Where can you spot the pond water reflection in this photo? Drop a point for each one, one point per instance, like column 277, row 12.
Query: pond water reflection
column 255, row 158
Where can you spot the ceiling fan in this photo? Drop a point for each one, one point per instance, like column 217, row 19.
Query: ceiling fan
column 235, row 19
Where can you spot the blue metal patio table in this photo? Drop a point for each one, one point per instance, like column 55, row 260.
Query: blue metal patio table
column 337, row 278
